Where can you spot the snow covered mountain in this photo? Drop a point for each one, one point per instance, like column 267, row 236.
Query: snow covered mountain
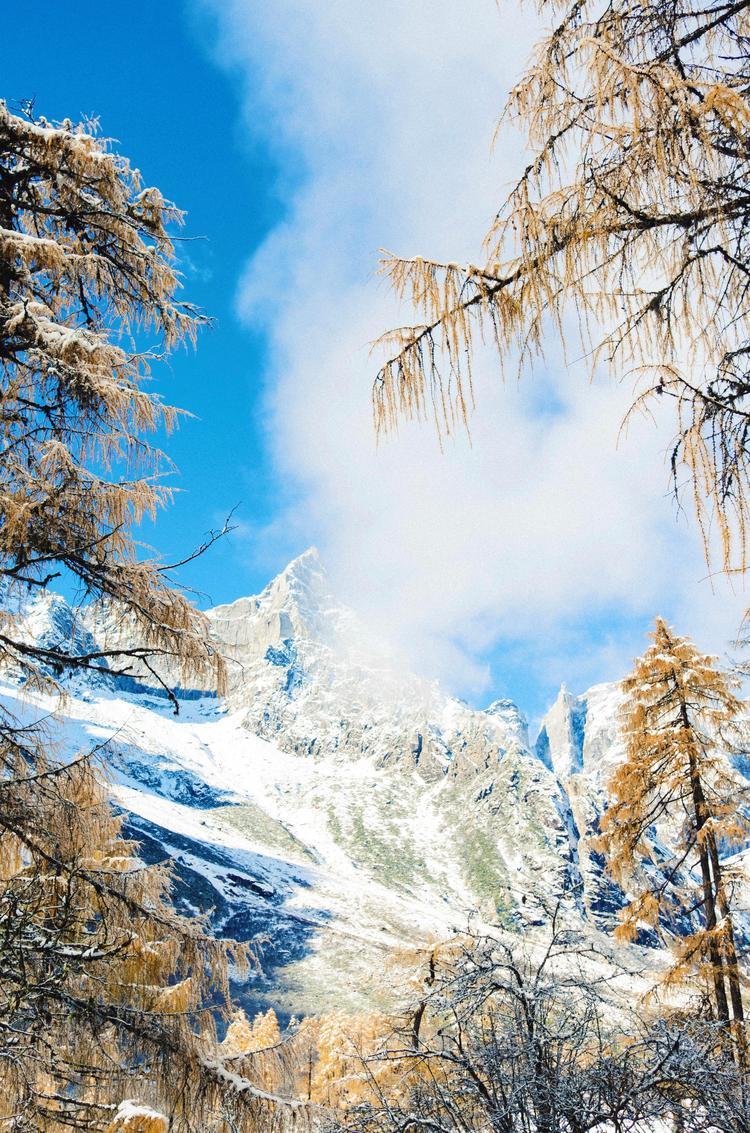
column 333, row 809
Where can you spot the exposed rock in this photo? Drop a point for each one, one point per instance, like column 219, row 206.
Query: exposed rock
column 336, row 805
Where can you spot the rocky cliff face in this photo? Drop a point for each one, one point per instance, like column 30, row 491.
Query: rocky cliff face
column 578, row 739
column 335, row 806
column 454, row 787
column 306, row 676
column 561, row 737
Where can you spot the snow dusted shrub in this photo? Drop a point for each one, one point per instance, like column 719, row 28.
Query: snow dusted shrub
column 542, row 1036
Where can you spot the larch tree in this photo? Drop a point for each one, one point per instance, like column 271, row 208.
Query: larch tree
column 244, row 1037
column 108, row 998
column 86, row 267
column 342, row 1040
column 260, row 1052
column 679, row 721
column 632, row 216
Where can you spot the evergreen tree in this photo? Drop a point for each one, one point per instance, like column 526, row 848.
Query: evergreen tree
column 679, row 721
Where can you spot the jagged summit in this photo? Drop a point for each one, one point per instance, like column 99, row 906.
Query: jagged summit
column 302, row 584
column 305, row 563
column 560, row 741
column 304, row 668
column 297, row 602
column 509, row 712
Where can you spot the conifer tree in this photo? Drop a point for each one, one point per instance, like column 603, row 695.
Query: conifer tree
column 631, row 217
column 86, row 273
column 259, row 1051
column 108, row 998
column 679, row 721
column 353, row 1060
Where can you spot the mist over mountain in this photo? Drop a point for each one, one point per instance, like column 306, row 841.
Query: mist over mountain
column 331, row 808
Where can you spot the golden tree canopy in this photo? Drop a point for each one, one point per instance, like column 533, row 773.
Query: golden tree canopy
column 88, row 301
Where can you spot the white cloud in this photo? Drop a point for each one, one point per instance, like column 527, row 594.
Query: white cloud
column 542, row 533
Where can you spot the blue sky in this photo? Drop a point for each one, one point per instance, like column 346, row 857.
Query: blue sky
column 144, row 70
column 301, row 137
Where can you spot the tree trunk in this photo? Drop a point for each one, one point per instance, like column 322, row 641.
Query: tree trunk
column 730, row 951
column 700, row 809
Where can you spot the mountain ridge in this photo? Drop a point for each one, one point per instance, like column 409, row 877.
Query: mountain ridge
column 329, row 798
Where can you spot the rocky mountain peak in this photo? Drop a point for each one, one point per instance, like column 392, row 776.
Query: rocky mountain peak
column 296, row 605
column 508, row 712
column 561, row 736
column 302, row 589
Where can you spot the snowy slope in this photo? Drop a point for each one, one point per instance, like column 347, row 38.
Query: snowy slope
column 334, row 807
